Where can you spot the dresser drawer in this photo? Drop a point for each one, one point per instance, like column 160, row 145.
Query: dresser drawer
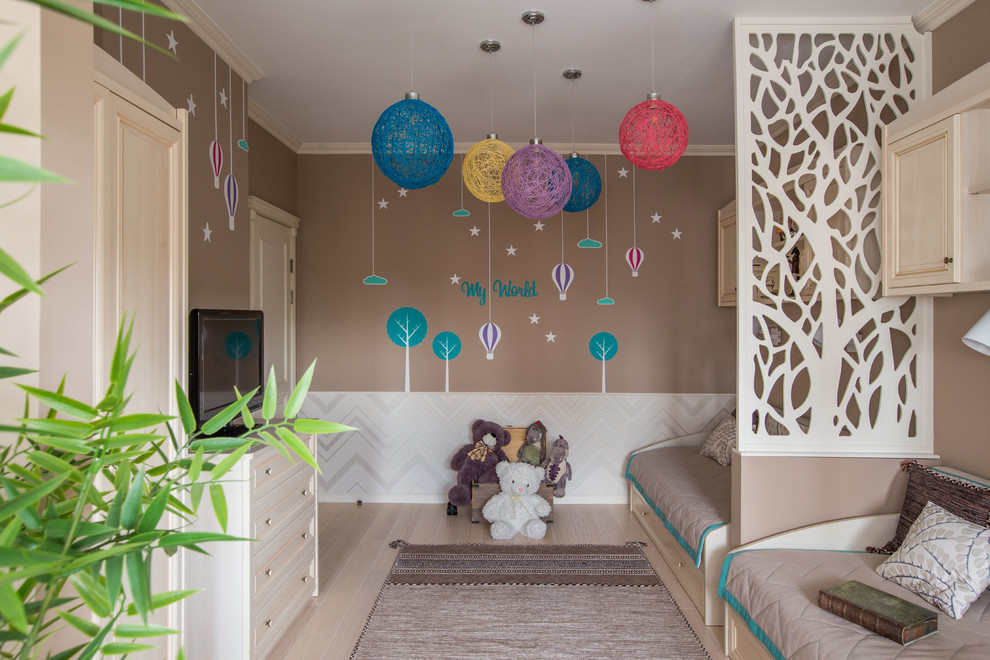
column 270, row 621
column 274, row 561
column 272, row 469
column 272, row 514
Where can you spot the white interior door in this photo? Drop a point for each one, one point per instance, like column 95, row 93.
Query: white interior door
column 273, row 286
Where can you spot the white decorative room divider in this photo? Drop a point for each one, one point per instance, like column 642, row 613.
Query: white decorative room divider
column 827, row 365
column 402, row 450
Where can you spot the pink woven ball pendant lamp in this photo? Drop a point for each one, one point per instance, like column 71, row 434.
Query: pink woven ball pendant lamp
column 536, row 181
column 654, row 134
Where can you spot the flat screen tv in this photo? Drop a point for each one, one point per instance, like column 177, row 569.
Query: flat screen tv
column 226, row 350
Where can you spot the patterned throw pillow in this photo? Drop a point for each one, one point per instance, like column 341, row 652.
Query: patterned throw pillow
column 721, row 441
column 965, row 498
column 944, row 559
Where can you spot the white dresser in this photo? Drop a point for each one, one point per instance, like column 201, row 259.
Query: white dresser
column 253, row 591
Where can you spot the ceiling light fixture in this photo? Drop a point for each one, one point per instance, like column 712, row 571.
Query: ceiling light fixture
column 586, row 183
column 654, row 133
column 484, row 162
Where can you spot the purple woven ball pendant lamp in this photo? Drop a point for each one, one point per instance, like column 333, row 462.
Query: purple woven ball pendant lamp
column 536, row 182
column 653, row 134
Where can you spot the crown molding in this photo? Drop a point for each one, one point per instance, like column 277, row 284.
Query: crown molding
column 268, row 122
column 204, row 28
column 344, row 148
column 937, row 13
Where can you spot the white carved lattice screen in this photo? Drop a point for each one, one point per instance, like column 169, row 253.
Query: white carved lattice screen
column 826, row 365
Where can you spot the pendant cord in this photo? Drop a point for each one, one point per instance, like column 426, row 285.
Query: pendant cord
column 535, row 132
column 230, row 121
column 634, row 206
column 372, row 215
column 653, row 66
column 491, row 92
column 606, row 225
column 491, row 300
column 561, row 237
column 412, row 68
column 573, row 138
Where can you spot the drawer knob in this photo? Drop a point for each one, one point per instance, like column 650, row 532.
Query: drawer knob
column 268, row 572
column 306, row 535
column 947, row 260
column 305, row 492
column 305, row 578
column 268, row 471
column 268, row 522
column 269, row 623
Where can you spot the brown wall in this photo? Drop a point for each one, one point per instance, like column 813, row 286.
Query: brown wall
column 962, row 376
column 671, row 336
column 218, row 268
column 273, row 169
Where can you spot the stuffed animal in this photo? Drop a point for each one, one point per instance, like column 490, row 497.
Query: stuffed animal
column 476, row 461
column 534, row 449
column 518, row 508
column 557, row 468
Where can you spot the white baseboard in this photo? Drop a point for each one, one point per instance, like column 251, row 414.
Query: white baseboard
column 420, row 498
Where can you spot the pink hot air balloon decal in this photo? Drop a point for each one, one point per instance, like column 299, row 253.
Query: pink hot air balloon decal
column 230, row 193
column 634, row 257
column 490, row 334
column 563, row 276
column 216, row 159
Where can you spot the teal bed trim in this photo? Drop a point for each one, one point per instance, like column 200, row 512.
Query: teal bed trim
column 694, row 554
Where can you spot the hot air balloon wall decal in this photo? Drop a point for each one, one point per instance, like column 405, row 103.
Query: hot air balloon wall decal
column 216, row 151
column 603, row 346
column 563, row 277
column 406, row 327
column 490, row 334
column 229, row 182
column 634, row 257
column 446, row 346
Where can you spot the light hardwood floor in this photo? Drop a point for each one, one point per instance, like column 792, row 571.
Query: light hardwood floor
column 355, row 559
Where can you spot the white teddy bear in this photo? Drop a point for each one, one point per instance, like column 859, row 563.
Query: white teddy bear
column 518, row 508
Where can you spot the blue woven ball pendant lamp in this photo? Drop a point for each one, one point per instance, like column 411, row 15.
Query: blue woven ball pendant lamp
column 412, row 143
column 653, row 134
column 586, row 184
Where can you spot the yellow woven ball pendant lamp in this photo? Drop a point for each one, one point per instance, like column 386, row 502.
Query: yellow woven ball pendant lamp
column 482, row 169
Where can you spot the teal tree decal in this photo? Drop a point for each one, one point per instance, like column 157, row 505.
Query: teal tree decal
column 237, row 346
column 406, row 327
column 603, row 347
column 446, row 346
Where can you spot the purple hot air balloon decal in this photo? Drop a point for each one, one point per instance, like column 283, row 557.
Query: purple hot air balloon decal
column 230, row 192
column 634, row 257
column 216, row 159
column 490, row 334
column 563, row 276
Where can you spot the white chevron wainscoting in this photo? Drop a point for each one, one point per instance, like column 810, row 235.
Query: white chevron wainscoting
column 402, row 450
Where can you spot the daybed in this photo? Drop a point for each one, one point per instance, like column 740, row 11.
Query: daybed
column 771, row 587
column 682, row 499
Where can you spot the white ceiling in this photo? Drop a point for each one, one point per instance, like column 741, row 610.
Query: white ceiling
column 332, row 66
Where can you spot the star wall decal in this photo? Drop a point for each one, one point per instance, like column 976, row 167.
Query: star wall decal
column 622, row 173
column 551, row 337
column 402, row 192
column 676, row 233
column 538, row 226
column 475, row 231
column 656, row 216
column 172, row 43
column 207, row 234
column 455, row 279
column 223, row 97
column 534, row 319
column 383, row 204
column 191, row 105
column 511, row 250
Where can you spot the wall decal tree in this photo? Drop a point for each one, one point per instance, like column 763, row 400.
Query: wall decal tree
column 406, row 327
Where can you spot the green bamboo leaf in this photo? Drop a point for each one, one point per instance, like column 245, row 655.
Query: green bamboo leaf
column 123, row 648
column 114, row 570
column 117, row 505
column 61, row 528
column 267, row 438
column 196, row 466
column 94, row 644
column 221, row 419
column 12, row 609
column 61, row 403
column 153, row 514
column 270, row 403
column 224, row 466
column 95, row 20
column 196, row 494
column 9, row 48
column 186, row 415
column 84, row 626
column 32, row 477
column 54, row 464
column 17, row 130
column 163, row 599
column 20, row 293
column 296, row 445
column 308, row 426
column 10, row 532
column 135, row 422
column 14, row 372
column 298, row 395
column 30, row 497
column 59, row 427
column 67, row 654
column 141, row 6
column 217, row 444
column 132, row 503
column 188, row 538
column 176, row 506
column 219, row 501
column 63, row 444
column 245, row 414
column 136, row 631
column 140, row 582
column 92, row 592
column 128, row 440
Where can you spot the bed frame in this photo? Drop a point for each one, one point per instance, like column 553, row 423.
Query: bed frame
column 849, row 534
column 700, row 582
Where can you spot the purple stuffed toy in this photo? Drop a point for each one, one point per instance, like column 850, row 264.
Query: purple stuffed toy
column 557, row 467
column 476, row 462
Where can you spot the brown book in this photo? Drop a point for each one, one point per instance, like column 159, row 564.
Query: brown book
column 879, row 612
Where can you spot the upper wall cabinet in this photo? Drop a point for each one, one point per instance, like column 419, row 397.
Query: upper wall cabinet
column 936, row 192
column 727, row 274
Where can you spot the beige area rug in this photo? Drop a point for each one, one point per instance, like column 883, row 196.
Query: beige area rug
column 525, row 601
